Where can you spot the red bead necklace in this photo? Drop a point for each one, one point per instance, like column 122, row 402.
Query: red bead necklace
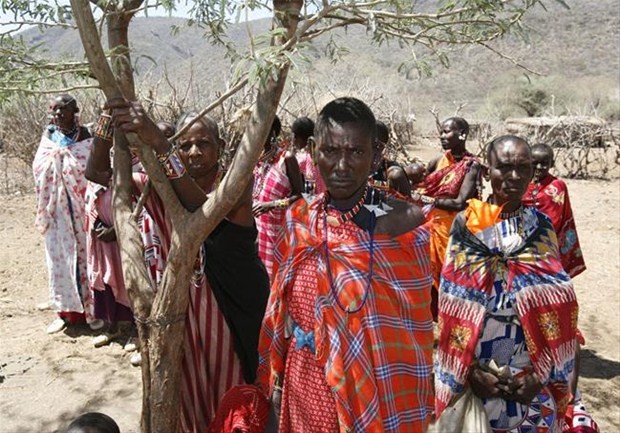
column 336, row 221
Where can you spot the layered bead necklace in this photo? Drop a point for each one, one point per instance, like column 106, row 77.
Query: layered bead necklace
column 346, row 216
column 512, row 231
column 534, row 193
column 336, row 222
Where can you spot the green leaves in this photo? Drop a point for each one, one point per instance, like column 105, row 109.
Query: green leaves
column 46, row 11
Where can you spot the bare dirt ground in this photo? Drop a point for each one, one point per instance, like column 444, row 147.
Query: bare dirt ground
column 45, row 381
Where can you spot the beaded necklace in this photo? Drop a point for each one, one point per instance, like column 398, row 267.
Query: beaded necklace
column 330, row 277
column 346, row 216
column 514, row 231
column 534, row 193
column 514, row 213
column 72, row 134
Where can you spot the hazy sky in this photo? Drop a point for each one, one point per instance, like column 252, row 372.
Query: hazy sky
column 182, row 9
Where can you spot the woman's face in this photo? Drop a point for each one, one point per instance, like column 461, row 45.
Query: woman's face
column 510, row 172
column 63, row 113
column 449, row 135
column 543, row 161
column 345, row 155
column 199, row 150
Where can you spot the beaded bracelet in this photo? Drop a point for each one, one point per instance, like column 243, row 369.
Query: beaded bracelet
column 172, row 164
column 104, row 129
column 427, row 200
column 163, row 157
column 282, row 203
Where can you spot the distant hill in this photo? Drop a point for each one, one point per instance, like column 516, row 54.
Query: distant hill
column 578, row 50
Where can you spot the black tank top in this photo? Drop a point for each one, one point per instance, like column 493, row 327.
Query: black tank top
column 240, row 284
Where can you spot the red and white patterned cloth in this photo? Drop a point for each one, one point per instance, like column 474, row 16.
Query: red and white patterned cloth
column 60, row 186
column 578, row 419
column 310, row 171
column 308, row 404
column 210, row 365
column 270, row 183
column 104, row 258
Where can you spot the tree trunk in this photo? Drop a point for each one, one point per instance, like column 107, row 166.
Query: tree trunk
column 161, row 320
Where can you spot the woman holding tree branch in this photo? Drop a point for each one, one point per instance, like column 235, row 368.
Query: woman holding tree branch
column 229, row 289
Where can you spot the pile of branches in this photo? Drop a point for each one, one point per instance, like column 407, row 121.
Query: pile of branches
column 585, row 147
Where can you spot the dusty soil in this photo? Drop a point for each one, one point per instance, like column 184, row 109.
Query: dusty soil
column 45, row 381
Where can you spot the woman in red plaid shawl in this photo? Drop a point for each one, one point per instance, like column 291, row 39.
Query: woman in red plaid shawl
column 506, row 303
column 277, row 184
column 453, row 179
column 347, row 337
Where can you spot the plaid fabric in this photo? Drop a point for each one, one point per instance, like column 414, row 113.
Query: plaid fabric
column 306, row 165
column 377, row 361
column 551, row 198
column 543, row 296
column 275, row 185
column 104, row 258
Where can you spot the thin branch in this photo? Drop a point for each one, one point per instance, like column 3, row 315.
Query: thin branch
column 393, row 15
column 49, row 91
column 240, row 84
column 322, row 30
column 510, row 59
column 55, row 66
column 39, row 23
column 47, row 75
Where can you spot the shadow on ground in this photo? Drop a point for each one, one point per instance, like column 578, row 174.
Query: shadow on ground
column 594, row 366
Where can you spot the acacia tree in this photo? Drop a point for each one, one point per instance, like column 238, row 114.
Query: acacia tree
column 160, row 316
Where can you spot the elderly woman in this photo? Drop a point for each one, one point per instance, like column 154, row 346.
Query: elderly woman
column 229, row 289
column 58, row 169
column 347, row 336
column 507, row 309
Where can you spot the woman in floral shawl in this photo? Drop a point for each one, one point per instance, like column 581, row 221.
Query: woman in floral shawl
column 58, row 169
